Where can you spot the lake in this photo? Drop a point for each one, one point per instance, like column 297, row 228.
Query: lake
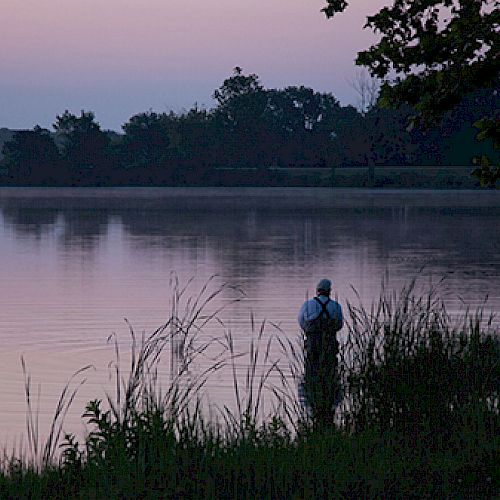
column 75, row 262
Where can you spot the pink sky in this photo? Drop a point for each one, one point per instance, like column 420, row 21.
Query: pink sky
column 121, row 57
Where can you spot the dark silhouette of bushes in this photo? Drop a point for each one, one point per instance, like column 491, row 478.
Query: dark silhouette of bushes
column 250, row 132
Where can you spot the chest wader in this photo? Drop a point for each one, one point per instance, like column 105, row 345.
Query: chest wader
column 321, row 382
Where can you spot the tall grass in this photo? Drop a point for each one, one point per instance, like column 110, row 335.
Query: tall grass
column 419, row 417
column 410, row 366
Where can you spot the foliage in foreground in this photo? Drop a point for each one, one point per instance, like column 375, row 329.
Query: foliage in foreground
column 324, row 464
column 420, row 418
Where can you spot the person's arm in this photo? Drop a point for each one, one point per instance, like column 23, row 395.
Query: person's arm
column 336, row 314
column 340, row 317
column 301, row 318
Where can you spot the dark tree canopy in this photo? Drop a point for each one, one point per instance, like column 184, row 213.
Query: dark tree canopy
column 300, row 109
column 238, row 85
column 432, row 53
column 254, row 136
column 32, row 156
column 147, row 138
column 84, row 144
column 242, row 101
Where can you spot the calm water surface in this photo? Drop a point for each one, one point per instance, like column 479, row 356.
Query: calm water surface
column 75, row 262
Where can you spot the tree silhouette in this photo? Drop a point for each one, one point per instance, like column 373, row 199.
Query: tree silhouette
column 238, row 120
column 84, row 147
column 431, row 54
column 32, row 158
column 193, row 142
column 147, row 138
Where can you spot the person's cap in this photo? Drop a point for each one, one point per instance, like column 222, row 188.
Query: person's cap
column 324, row 286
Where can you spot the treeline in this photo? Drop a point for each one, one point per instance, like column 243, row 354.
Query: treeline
column 245, row 139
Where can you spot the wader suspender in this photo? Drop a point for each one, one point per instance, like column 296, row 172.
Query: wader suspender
column 324, row 310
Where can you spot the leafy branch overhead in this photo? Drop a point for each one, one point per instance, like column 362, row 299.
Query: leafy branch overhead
column 433, row 52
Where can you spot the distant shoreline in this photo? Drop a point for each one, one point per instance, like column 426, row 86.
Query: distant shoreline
column 249, row 198
column 378, row 177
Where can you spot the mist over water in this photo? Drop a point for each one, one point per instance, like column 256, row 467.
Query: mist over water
column 75, row 263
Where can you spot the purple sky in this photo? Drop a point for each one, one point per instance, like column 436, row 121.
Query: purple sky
column 121, row 57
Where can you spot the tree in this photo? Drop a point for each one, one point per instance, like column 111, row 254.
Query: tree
column 84, row 146
column 304, row 122
column 193, row 145
column 432, row 53
column 241, row 101
column 378, row 137
column 239, row 119
column 237, row 86
column 367, row 89
column 299, row 109
column 147, row 138
column 32, row 157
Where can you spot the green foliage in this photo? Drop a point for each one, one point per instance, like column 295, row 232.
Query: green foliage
column 334, row 6
column 433, row 53
column 489, row 129
column 419, row 372
column 486, row 171
column 437, row 51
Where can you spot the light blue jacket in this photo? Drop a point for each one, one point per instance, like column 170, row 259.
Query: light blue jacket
column 310, row 310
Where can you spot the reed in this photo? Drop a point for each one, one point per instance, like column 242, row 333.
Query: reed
column 410, row 366
column 419, row 418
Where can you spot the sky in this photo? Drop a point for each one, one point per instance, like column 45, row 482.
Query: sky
column 122, row 57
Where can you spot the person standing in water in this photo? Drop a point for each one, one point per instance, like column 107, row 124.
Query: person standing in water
column 320, row 318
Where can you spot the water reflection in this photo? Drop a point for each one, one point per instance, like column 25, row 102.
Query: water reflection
column 244, row 234
column 79, row 261
column 29, row 221
column 275, row 242
column 83, row 229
